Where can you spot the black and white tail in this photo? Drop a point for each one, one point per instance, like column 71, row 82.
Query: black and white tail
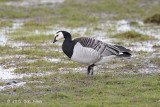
column 124, row 52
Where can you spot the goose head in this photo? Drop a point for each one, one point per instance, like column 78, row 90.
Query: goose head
column 62, row 35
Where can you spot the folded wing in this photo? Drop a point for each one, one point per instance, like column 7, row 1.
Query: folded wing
column 102, row 48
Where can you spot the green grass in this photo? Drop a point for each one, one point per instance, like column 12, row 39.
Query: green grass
column 133, row 23
column 89, row 13
column 35, row 25
column 43, row 66
column 34, row 38
column 12, row 12
column 133, row 36
column 35, row 67
column 76, row 89
column 5, row 49
column 39, row 64
column 78, row 18
column 29, row 28
column 32, row 52
column 118, row 42
column 6, row 23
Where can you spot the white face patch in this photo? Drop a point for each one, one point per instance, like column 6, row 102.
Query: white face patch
column 59, row 36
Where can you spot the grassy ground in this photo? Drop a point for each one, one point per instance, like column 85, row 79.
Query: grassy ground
column 89, row 12
column 74, row 89
column 120, row 83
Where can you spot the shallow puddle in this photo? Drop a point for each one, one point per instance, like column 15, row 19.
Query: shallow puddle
column 11, row 84
column 4, row 37
column 52, row 59
column 32, row 2
column 144, row 46
column 10, row 78
column 123, row 26
column 8, row 73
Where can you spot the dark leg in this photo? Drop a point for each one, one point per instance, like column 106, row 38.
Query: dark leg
column 90, row 68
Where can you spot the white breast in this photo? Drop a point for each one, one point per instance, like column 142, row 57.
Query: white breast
column 85, row 55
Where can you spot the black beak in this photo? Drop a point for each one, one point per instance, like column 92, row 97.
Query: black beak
column 54, row 41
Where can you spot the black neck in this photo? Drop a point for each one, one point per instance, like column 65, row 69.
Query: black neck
column 68, row 46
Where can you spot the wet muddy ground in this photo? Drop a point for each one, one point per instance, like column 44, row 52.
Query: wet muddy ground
column 27, row 53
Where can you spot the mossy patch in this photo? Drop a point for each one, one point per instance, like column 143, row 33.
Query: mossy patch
column 156, row 46
column 153, row 19
column 133, row 36
column 133, row 23
column 2, row 83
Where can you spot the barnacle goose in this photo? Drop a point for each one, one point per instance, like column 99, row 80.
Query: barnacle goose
column 89, row 51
